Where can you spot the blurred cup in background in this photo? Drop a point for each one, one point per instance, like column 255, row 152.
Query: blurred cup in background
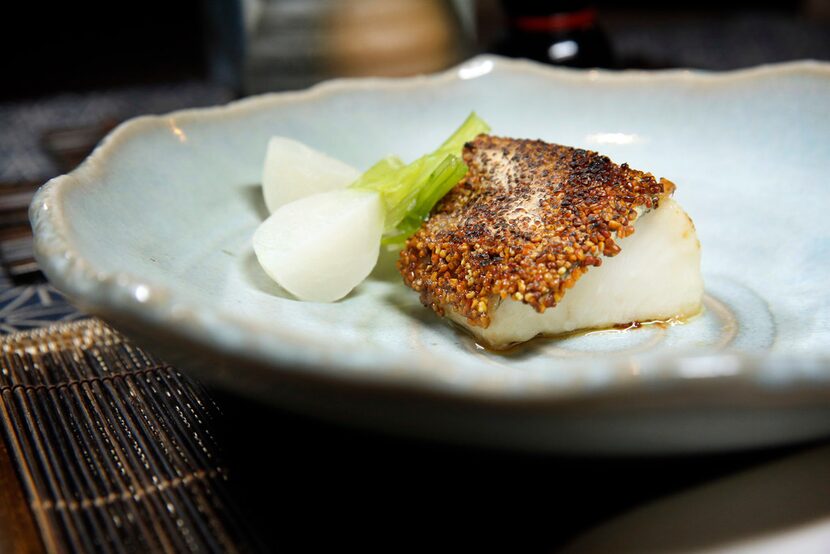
column 265, row 45
column 391, row 37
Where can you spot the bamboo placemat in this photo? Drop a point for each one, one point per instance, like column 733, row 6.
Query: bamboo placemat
column 113, row 448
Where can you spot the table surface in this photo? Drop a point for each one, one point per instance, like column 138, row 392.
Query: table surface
column 246, row 476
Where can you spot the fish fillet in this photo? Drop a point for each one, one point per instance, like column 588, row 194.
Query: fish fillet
column 507, row 253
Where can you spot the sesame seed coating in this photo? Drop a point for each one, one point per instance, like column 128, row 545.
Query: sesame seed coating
column 525, row 223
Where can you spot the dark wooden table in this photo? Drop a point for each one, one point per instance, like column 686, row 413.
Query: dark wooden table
column 375, row 493
column 18, row 532
column 254, row 478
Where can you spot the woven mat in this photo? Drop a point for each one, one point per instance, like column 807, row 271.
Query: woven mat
column 113, row 448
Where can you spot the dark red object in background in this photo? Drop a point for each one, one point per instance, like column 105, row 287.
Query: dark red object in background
column 558, row 33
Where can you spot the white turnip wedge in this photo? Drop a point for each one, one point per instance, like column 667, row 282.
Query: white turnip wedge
column 293, row 170
column 320, row 247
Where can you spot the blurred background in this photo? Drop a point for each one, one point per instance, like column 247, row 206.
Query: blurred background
column 252, row 46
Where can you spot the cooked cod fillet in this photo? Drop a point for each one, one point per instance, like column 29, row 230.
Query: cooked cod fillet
column 506, row 254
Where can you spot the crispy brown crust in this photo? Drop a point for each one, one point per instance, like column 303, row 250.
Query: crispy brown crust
column 525, row 223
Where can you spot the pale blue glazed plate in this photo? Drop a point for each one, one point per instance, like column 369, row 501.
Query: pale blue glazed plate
column 153, row 233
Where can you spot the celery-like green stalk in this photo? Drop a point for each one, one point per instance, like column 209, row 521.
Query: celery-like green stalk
column 409, row 192
column 470, row 129
column 439, row 183
column 383, row 170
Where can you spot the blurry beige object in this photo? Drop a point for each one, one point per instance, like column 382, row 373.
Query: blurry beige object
column 391, row 37
column 293, row 44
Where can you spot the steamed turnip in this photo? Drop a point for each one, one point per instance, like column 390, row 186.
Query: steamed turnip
column 293, row 170
column 322, row 246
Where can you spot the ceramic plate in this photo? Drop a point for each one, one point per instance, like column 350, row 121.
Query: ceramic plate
column 153, row 233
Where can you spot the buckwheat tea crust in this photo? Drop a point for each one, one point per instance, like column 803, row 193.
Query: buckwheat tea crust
column 524, row 225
